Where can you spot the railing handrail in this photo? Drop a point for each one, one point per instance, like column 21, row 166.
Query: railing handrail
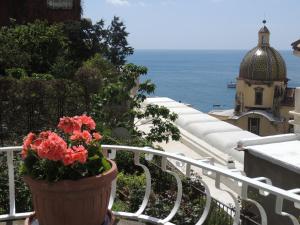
column 257, row 183
column 240, row 178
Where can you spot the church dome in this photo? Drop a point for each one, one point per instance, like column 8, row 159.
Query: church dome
column 263, row 63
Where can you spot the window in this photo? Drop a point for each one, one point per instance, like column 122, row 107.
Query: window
column 258, row 96
column 253, row 125
column 60, row 4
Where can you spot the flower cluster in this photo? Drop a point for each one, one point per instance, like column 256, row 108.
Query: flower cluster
column 49, row 145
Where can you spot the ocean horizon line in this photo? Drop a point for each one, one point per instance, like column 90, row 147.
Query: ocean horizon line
column 196, row 49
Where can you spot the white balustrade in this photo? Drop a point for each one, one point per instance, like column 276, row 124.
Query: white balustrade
column 262, row 184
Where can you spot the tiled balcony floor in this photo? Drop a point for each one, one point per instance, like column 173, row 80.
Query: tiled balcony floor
column 127, row 222
column 121, row 222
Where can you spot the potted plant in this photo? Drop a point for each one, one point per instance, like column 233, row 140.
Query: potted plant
column 67, row 174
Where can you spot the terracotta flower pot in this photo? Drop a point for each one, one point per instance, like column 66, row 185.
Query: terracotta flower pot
column 81, row 202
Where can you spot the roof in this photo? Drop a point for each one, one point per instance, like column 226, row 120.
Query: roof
column 263, row 64
column 225, row 112
column 285, row 154
column 263, row 113
column 231, row 115
column 216, row 133
column 296, row 45
column 264, row 29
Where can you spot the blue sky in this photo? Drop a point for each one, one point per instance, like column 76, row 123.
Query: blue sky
column 200, row 24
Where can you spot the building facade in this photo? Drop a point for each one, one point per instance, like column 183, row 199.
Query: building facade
column 30, row 10
column 263, row 99
column 296, row 47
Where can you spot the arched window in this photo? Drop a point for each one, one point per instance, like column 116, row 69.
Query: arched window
column 60, row 4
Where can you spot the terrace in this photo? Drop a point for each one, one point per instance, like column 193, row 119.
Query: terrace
column 214, row 173
column 217, row 180
column 244, row 183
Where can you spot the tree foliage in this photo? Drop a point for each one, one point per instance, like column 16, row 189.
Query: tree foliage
column 85, row 39
column 60, row 49
column 119, row 103
column 92, row 58
column 117, row 44
column 33, row 47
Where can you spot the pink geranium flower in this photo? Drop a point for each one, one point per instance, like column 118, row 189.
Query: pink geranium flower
column 49, row 145
column 52, row 148
column 69, row 125
column 75, row 154
column 27, row 143
column 88, row 122
column 81, row 136
column 97, row 136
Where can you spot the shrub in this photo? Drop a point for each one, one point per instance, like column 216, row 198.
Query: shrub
column 42, row 76
column 130, row 196
column 17, row 73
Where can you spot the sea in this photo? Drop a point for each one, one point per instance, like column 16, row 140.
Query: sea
column 200, row 77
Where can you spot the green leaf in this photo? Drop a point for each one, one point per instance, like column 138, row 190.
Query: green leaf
column 95, row 157
column 106, row 164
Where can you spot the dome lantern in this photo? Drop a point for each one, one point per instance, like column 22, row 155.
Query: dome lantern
column 264, row 36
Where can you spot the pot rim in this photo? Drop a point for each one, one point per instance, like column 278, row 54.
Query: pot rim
column 102, row 180
column 32, row 217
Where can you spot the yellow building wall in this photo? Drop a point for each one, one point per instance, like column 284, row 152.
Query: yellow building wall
column 266, row 127
column 247, row 93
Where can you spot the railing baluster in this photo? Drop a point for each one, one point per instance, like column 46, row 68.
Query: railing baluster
column 237, row 215
column 188, row 170
column 112, row 155
column 11, row 182
column 296, row 191
column 179, row 191
column 112, row 194
column 148, row 184
column 263, row 214
column 278, row 210
column 148, row 156
column 267, row 181
column 207, row 204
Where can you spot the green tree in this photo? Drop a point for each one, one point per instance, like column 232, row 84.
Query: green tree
column 60, row 49
column 116, row 106
column 86, row 39
column 33, row 47
column 117, row 44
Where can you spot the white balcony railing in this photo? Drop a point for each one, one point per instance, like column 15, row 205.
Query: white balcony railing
column 262, row 184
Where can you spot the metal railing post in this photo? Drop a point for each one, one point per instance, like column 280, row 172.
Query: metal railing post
column 11, row 181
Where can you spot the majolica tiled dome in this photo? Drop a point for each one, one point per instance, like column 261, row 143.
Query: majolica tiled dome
column 263, row 63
